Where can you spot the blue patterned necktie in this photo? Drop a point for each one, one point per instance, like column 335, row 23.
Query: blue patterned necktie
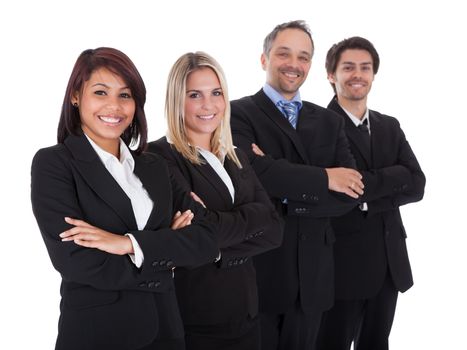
column 290, row 110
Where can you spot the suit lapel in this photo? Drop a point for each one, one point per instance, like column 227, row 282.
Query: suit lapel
column 378, row 138
column 234, row 173
column 95, row 174
column 148, row 171
column 214, row 179
column 272, row 112
column 353, row 134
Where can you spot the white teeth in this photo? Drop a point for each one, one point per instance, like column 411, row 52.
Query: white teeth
column 111, row 120
column 291, row 75
column 206, row 117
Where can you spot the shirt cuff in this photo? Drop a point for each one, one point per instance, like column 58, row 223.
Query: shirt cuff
column 138, row 257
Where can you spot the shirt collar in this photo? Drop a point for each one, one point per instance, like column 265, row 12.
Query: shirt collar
column 275, row 96
column 107, row 158
column 202, row 150
column 356, row 120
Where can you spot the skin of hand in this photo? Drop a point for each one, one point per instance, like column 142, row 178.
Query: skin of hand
column 197, row 199
column 257, row 150
column 180, row 220
column 89, row 236
column 345, row 180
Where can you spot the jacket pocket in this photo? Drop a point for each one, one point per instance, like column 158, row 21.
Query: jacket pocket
column 87, row 297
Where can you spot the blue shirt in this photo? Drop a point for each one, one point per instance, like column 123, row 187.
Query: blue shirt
column 275, row 97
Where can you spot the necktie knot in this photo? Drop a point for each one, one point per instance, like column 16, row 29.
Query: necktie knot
column 290, row 109
column 364, row 126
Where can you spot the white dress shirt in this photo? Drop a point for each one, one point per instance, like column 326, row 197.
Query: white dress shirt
column 218, row 167
column 122, row 171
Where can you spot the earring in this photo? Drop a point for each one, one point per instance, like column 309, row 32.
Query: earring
column 75, row 104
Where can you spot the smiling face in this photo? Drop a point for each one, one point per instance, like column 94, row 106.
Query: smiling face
column 353, row 76
column 106, row 108
column 289, row 61
column 204, row 106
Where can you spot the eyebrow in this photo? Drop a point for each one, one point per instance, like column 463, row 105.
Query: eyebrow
column 108, row 87
column 289, row 49
column 353, row 63
column 194, row 90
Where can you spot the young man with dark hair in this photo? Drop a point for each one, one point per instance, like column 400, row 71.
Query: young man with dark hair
column 371, row 261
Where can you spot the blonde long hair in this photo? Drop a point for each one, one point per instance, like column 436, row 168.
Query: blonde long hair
column 221, row 141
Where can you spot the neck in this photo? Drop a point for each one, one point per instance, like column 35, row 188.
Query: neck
column 110, row 146
column 203, row 141
column 356, row 107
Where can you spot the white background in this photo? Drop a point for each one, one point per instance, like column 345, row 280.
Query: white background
column 422, row 47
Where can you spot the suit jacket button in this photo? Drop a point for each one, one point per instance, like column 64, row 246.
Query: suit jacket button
column 303, row 237
column 169, row 263
column 157, row 284
column 230, row 263
column 315, row 198
column 304, row 196
column 151, row 284
column 386, row 232
column 155, row 263
column 162, row 262
column 142, row 285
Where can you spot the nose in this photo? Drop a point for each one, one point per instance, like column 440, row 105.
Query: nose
column 357, row 73
column 114, row 103
column 207, row 103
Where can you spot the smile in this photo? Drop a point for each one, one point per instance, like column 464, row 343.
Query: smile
column 291, row 75
column 206, row 117
column 111, row 119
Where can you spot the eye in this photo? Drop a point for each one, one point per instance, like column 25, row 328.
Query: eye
column 193, row 95
column 283, row 54
column 347, row 68
column 304, row 59
column 126, row 95
column 217, row 93
column 100, row 92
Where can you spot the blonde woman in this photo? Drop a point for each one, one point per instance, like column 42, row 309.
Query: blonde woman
column 218, row 301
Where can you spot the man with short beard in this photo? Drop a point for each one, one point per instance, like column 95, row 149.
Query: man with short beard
column 371, row 261
column 301, row 155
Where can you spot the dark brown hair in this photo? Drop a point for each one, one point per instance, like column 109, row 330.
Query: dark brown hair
column 118, row 63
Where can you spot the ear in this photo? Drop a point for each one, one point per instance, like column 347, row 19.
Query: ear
column 264, row 61
column 331, row 78
column 75, row 98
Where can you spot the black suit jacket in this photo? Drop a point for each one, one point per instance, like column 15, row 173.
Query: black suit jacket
column 370, row 242
column 293, row 169
column 224, row 292
column 108, row 303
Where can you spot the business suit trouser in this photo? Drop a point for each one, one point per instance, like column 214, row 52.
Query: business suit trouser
column 292, row 330
column 367, row 322
column 236, row 335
